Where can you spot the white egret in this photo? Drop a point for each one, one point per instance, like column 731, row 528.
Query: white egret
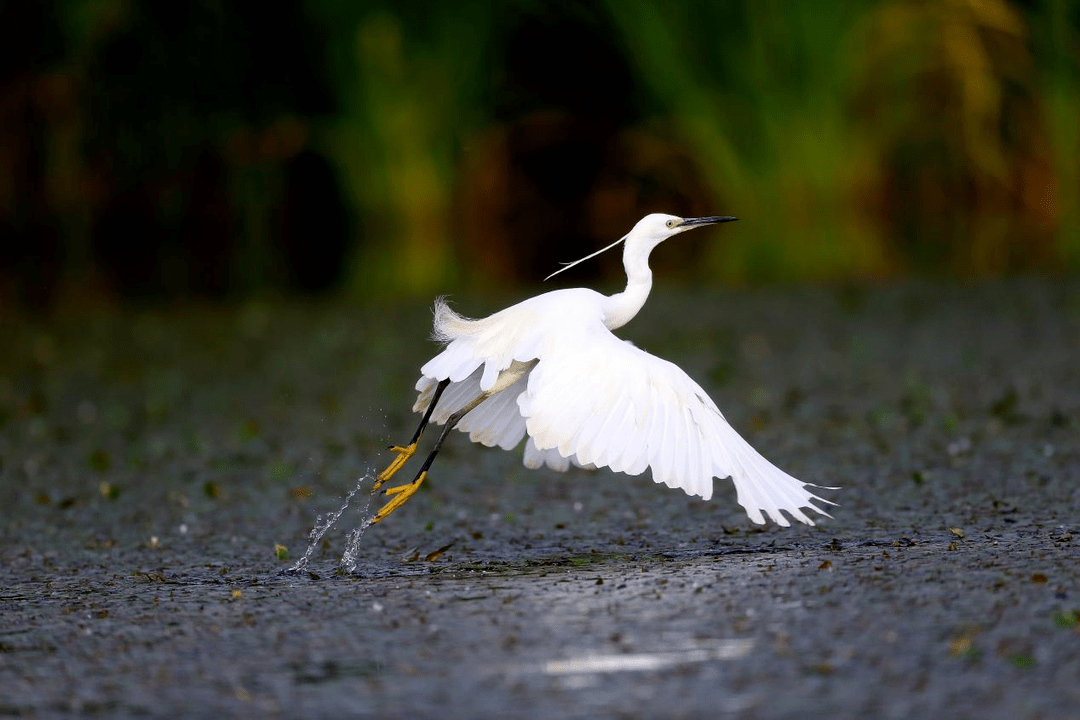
column 550, row 369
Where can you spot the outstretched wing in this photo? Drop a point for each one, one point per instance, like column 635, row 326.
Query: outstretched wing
column 607, row 403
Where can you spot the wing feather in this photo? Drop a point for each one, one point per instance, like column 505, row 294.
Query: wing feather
column 664, row 469
column 497, row 420
column 608, row 435
column 637, row 459
column 679, row 432
column 629, row 451
column 680, row 475
column 621, row 436
column 691, row 471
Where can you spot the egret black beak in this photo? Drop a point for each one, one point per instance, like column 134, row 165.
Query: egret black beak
column 711, row 220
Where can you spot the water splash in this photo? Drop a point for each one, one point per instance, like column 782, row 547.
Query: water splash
column 352, row 540
column 352, row 545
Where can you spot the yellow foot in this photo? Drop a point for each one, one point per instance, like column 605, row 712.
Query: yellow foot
column 403, row 455
column 398, row 495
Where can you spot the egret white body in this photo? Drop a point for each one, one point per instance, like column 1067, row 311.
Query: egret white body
column 549, row 369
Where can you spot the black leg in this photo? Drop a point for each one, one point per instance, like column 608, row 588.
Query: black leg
column 400, row 493
column 451, row 422
column 431, row 408
column 404, row 453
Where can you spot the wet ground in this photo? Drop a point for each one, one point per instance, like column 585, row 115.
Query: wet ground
column 159, row 470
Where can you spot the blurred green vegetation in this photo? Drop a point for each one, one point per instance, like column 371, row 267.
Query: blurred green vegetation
column 876, row 136
column 218, row 149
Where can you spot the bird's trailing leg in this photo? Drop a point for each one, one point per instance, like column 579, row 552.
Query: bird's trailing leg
column 400, row 493
column 404, row 453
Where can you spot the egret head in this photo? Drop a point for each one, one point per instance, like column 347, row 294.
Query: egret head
column 658, row 227
column 650, row 231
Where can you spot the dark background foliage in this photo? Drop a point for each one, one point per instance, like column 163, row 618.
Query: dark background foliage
column 156, row 151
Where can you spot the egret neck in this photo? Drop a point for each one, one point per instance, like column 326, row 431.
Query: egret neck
column 621, row 308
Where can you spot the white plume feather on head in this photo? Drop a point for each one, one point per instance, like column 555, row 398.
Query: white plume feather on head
column 567, row 266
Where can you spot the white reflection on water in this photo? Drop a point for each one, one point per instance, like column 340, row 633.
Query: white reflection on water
column 724, row 649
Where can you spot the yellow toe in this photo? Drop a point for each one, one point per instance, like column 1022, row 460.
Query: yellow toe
column 403, row 455
column 398, row 495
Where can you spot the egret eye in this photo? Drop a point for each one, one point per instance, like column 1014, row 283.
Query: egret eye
column 671, row 223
